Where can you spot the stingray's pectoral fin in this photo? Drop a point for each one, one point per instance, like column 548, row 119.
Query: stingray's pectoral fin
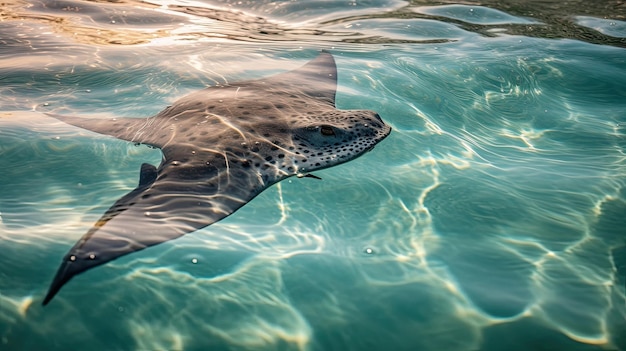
column 89, row 252
column 166, row 204
column 130, row 129
column 83, row 255
column 317, row 79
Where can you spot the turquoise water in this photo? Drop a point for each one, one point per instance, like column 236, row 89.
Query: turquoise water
column 492, row 218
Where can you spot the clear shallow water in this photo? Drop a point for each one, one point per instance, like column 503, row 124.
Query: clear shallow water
column 493, row 217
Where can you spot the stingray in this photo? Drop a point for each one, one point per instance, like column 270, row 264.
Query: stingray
column 222, row 146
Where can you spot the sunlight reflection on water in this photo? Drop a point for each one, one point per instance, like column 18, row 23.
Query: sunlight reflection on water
column 491, row 218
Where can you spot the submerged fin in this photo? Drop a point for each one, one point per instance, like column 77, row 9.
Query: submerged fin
column 147, row 175
column 169, row 202
column 317, row 78
column 309, row 175
column 130, row 129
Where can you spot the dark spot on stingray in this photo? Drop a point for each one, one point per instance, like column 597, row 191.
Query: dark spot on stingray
column 317, row 164
column 281, row 155
column 255, row 149
column 268, row 158
column 145, row 196
column 274, row 148
column 267, row 135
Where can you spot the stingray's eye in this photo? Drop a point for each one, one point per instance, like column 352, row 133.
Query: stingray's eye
column 327, row 130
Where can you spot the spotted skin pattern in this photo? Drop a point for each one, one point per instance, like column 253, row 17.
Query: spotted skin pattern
column 221, row 146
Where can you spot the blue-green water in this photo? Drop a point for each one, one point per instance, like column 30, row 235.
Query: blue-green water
column 492, row 218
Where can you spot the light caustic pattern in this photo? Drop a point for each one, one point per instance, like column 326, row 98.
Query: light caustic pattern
column 492, row 216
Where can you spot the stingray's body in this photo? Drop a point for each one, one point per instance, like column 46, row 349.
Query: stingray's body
column 221, row 147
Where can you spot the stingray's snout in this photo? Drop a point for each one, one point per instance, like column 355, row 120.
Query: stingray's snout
column 377, row 126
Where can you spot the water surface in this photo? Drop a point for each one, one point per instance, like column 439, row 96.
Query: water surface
column 492, row 218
